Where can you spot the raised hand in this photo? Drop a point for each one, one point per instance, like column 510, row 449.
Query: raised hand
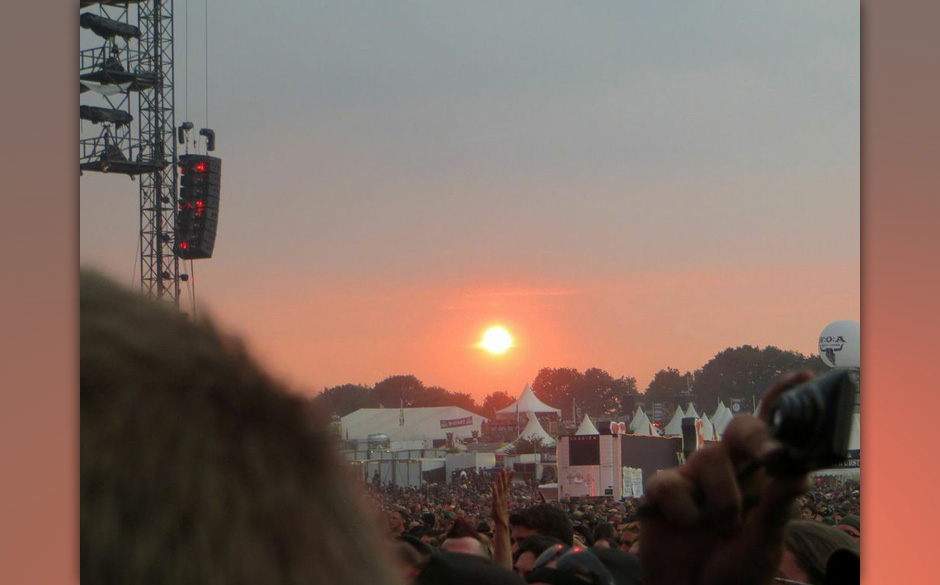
column 502, row 553
column 702, row 532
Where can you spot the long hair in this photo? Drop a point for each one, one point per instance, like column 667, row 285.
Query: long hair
column 812, row 543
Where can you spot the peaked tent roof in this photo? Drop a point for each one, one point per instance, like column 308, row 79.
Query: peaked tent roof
column 708, row 429
column 691, row 411
column 533, row 429
column 644, row 427
column 528, row 402
column 674, row 428
column 721, row 407
column 587, row 427
column 721, row 420
column 638, row 418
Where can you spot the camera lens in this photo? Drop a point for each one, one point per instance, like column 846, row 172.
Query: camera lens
column 797, row 415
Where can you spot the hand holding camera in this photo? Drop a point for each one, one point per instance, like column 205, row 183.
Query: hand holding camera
column 721, row 517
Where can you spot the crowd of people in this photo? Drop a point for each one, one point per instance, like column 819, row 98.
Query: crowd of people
column 196, row 467
column 434, row 516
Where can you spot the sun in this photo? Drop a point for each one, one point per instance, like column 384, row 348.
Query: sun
column 496, row 340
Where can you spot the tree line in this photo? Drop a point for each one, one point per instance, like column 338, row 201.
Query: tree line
column 735, row 373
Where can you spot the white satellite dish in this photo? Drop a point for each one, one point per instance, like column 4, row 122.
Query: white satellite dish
column 840, row 344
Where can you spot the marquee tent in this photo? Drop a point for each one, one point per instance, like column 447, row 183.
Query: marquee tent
column 527, row 402
column 674, row 428
column 644, row 427
column 587, row 427
column 533, row 430
column 708, row 429
column 420, row 424
column 721, row 408
column 638, row 418
column 721, row 420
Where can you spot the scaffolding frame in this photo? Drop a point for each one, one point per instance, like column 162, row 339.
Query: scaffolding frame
column 139, row 75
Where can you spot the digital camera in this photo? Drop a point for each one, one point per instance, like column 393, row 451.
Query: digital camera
column 813, row 422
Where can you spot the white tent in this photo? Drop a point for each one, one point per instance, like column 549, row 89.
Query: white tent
column 587, row 427
column 637, row 418
column 533, row 430
column 674, row 428
column 708, row 429
column 691, row 411
column 644, row 427
column 421, row 424
column 527, row 402
column 719, row 410
column 721, row 420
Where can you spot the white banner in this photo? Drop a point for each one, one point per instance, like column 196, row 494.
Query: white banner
column 632, row 482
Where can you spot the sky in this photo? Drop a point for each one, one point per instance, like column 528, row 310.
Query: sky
column 623, row 185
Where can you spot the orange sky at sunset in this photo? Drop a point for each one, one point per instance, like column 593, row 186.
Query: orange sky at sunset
column 629, row 186
column 326, row 336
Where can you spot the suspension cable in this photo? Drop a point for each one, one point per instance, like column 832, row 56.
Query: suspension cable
column 186, row 61
column 207, row 63
column 192, row 287
column 134, row 267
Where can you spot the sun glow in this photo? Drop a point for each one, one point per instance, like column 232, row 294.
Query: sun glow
column 496, row 340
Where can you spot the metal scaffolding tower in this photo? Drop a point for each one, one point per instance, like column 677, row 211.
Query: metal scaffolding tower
column 134, row 67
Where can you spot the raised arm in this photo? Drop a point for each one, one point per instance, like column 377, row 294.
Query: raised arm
column 502, row 552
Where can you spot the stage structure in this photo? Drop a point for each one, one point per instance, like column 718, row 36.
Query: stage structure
column 130, row 80
column 610, row 464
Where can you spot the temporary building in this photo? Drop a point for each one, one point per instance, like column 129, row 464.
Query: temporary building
column 527, row 402
column 721, row 420
column 638, row 417
column 719, row 410
column 674, row 427
column 587, row 427
column 708, row 429
column 533, row 430
column 644, row 427
column 691, row 411
column 411, row 424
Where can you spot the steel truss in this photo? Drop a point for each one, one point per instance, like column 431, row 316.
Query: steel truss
column 139, row 72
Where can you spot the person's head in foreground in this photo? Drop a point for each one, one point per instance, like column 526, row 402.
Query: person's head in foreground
column 541, row 519
column 807, row 548
column 463, row 538
column 851, row 525
column 196, row 467
column 529, row 549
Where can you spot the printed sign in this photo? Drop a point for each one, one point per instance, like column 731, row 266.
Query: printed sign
column 457, row 422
